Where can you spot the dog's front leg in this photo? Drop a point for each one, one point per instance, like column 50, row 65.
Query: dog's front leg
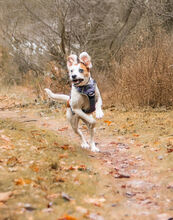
column 74, row 120
column 90, row 121
column 92, row 142
column 99, row 112
column 88, row 118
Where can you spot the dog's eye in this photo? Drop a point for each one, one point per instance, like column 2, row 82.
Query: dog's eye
column 71, row 71
column 80, row 70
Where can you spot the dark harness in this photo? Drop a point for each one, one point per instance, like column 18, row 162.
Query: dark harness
column 89, row 91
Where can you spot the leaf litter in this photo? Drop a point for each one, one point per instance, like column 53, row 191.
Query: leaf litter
column 41, row 163
column 49, row 175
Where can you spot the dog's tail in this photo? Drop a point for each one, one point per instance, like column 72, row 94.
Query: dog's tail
column 60, row 97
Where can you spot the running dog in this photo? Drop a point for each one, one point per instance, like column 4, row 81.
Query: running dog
column 84, row 98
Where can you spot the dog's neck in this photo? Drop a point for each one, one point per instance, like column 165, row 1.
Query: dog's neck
column 87, row 89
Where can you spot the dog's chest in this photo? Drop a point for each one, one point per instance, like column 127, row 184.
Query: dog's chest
column 78, row 100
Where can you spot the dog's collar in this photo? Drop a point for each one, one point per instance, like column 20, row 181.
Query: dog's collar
column 87, row 89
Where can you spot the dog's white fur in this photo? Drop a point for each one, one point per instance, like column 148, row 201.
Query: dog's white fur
column 79, row 101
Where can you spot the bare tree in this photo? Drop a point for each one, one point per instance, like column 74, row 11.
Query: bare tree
column 43, row 30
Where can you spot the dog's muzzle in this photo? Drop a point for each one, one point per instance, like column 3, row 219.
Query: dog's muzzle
column 77, row 81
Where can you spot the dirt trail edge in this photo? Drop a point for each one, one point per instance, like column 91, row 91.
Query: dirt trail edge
column 131, row 178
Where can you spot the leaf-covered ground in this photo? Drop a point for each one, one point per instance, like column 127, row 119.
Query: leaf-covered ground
column 44, row 174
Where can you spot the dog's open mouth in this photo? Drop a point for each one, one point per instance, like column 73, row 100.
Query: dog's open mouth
column 77, row 81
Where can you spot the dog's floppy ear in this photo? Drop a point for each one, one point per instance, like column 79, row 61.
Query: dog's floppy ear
column 71, row 60
column 86, row 59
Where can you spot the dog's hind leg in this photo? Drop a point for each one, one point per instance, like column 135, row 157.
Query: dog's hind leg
column 74, row 121
column 91, row 131
column 92, row 142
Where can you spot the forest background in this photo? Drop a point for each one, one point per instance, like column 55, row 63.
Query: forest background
column 130, row 42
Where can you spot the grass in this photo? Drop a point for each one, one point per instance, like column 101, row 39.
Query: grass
column 38, row 166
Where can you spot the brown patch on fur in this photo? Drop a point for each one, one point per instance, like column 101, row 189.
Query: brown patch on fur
column 86, row 70
column 68, row 103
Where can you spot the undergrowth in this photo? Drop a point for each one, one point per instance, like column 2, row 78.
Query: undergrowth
column 143, row 78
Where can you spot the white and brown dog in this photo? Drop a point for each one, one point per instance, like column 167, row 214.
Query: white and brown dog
column 84, row 99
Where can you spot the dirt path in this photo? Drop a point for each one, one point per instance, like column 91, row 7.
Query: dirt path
column 136, row 159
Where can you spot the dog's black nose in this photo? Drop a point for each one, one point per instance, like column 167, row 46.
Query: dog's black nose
column 74, row 76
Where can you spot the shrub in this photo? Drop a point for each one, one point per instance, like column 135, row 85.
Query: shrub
column 144, row 78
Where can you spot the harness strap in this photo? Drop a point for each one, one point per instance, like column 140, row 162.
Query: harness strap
column 69, row 106
column 89, row 91
column 92, row 105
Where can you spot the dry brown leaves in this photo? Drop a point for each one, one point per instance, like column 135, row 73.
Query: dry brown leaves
column 67, row 217
column 21, row 181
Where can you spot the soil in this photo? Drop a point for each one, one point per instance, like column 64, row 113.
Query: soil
column 45, row 174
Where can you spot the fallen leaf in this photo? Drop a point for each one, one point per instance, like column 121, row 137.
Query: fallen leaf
column 130, row 194
column 108, row 122
column 4, row 196
column 29, row 207
column 121, row 175
column 45, row 124
column 170, row 150
column 65, row 147
column 54, row 166
column 97, row 204
column 113, row 142
column 63, row 129
column 135, row 135
column 39, row 178
column 66, row 196
column 67, row 217
column 70, row 168
column 60, row 179
column 61, row 156
column 50, row 204
column 22, row 181
column 53, row 196
column 12, row 161
column 82, row 168
column 34, row 168
column 170, row 186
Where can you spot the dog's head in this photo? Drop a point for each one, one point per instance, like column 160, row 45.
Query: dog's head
column 79, row 68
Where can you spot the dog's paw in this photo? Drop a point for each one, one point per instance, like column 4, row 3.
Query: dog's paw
column 95, row 149
column 48, row 91
column 99, row 113
column 85, row 145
